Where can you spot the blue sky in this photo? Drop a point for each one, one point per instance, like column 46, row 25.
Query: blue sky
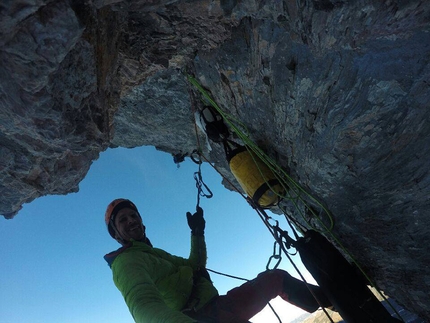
column 52, row 252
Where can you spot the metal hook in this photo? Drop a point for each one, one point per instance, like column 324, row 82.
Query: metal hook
column 276, row 255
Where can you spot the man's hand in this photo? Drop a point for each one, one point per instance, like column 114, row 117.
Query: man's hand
column 196, row 222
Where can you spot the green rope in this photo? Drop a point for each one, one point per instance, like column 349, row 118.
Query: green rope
column 288, row 184
column 240, row 129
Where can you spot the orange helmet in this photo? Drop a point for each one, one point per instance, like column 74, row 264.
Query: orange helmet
column 113, row 209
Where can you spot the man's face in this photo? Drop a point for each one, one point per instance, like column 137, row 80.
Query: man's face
column 129, row 225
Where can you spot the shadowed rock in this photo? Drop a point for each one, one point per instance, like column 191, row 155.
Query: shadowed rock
column 337, row 92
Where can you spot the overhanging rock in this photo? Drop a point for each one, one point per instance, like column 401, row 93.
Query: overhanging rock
column 337, row 92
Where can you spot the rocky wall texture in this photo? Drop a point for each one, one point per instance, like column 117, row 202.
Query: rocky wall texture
column 337, row 92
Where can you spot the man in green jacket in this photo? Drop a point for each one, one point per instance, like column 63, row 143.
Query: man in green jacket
column 162, row 288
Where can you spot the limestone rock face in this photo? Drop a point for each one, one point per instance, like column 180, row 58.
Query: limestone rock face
column 337, row 92
column 58, row 93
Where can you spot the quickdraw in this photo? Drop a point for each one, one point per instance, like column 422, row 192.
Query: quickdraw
column 202, row 189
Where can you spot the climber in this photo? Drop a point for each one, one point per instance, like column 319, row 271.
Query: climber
column 160, row 287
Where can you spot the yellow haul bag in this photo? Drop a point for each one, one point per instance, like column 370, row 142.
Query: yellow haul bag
column 255, row 177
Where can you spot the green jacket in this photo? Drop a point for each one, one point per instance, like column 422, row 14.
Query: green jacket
column 157, row 285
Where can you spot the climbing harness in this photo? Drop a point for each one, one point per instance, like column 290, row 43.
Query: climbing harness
column 345, row 286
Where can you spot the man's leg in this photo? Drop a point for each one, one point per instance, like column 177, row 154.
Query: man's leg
column 306, row 296
column 243, row 302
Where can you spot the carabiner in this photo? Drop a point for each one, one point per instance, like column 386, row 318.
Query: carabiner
column 276, row 255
